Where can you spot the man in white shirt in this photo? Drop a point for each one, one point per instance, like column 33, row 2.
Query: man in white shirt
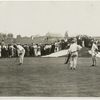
column 11, row 48
column 94, row 51
column 73, row 50
column 35, row 49
column 21, row 53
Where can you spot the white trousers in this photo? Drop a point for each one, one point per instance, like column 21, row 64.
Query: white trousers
column 35, row 52
column 73, row 62
column 21, row 57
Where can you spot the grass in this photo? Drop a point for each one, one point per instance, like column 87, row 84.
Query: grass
column 49, row 77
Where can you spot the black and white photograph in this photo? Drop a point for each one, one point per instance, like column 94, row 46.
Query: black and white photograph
column 49, row 48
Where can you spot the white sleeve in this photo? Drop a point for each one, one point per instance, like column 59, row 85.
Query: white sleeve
column 96, row 47
column 79, row 47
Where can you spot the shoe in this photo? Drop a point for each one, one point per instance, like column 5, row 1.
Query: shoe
column 74, row 68
column 71, row 68
column 92, row 65
column 20, row 64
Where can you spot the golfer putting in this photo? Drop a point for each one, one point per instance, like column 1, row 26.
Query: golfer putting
column 21, row 53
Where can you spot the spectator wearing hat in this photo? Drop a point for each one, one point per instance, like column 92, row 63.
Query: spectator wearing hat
column 35, row 46
column 38, row 49
column 94, row 51
column 10, row 50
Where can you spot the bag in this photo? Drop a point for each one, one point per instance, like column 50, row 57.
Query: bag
column 20, row 53
column 74, row 54
column 68, row 58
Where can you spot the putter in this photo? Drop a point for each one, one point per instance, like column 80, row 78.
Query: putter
column 67, row 58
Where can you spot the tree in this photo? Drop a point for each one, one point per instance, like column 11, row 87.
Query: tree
column 10, row 35
column 18, row 36
column 87, row 40
column 1, row 37
column 66, row 36
column 4, row 36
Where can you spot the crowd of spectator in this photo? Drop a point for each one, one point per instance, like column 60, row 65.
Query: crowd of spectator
column 32, row 50
column 35, row 50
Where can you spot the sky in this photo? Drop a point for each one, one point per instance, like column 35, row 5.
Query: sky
column 40, row 17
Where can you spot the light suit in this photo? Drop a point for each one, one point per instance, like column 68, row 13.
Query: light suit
column 73, row 50
column 93, row 49
column 21, row 53
column 94, row 53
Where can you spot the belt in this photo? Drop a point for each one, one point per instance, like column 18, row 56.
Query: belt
column 74, row 51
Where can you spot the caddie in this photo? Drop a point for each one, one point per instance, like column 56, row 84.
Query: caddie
column 21, row 53
column 73, row 50
column 94, row 51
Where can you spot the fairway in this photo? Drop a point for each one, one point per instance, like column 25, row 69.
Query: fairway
column 49, row 77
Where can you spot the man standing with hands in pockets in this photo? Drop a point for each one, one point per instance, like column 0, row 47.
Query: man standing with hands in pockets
column 73, row 50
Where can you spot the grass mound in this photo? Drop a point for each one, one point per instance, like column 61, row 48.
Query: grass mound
column 84, row 52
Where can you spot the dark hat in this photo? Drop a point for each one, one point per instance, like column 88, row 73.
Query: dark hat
column 15, row 45
column 74, row 40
